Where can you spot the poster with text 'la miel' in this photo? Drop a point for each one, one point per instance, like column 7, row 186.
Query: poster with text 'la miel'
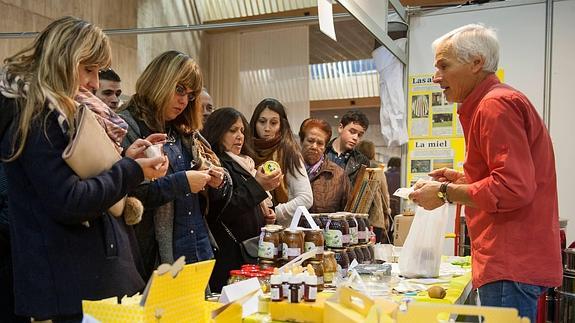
column 425, row 155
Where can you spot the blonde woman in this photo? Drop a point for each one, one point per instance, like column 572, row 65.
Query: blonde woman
column 173, row 224
column 57, row 260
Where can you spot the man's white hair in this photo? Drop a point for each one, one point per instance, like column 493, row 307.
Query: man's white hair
column 471, row 41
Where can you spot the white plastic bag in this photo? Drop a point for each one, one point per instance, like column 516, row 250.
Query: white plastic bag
column 421, row 253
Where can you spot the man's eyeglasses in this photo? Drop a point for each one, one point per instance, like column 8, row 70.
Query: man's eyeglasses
column 181, row 91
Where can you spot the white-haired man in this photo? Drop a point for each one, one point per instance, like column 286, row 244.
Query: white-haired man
column 508, row 185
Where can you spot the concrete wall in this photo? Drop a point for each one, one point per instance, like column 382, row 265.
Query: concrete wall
column 131, row 53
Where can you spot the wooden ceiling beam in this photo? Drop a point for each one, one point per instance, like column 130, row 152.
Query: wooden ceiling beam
column 342, row 104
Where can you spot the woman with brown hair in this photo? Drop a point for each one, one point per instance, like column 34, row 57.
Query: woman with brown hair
column 274, row 140
column 227, row 130
column 173, row 224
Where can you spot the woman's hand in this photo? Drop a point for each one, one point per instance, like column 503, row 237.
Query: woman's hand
column 197, row 179
column 270, row 216
column 136, row 149
column 154, row 167
column 268, row 181
column 216, row 176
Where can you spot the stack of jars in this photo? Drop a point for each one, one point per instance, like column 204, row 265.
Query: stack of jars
column 346, row 234
column 278, row 246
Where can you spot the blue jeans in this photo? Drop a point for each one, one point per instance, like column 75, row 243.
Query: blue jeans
column 506, row 293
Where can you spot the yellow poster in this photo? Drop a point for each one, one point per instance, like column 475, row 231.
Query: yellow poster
column 425, row 155
column 429, row 113
column 435, row 133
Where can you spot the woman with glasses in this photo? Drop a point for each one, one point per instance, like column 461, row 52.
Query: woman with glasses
column 173, row 224
column 65, row 246
column 274, row 140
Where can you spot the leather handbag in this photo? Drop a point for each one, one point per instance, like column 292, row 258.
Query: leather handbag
column 248, row 247
column 91, row 152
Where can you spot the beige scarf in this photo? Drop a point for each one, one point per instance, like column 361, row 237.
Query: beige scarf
column 249, row 166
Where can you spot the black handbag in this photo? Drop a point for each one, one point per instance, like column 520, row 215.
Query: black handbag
column 248, row 247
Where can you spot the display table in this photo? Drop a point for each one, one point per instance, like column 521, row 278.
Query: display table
column 457, row 290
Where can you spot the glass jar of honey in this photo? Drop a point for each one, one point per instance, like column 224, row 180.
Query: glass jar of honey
column 292, row 244
column 313, row 240
column 337, row 231
column 269, row 245
column 329, row 266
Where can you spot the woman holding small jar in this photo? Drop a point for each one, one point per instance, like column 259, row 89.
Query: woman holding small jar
column 273, row 140
column 247, row 211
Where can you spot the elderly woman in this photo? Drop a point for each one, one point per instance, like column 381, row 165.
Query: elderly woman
column 242, row 218
column 329, row 183
column 173, row 224
column 58, row 260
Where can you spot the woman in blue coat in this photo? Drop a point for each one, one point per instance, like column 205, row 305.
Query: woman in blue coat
column 174, row 222
column 58, row 259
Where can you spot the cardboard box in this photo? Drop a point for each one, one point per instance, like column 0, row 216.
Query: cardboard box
column 351, row 306
column 402, row 223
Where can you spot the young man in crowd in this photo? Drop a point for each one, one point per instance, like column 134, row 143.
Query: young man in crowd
column 110, row 88
column 207, row 104
column 342, row 150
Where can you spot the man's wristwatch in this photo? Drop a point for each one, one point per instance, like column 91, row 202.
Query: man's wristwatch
column 442, row 194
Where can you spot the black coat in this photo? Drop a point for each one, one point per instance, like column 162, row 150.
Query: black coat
column 58, row 262
column 242, row 216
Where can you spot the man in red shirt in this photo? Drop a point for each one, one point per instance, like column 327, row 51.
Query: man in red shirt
column 508, row 185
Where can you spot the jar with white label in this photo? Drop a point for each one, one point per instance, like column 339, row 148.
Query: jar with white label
column 337, row 231
column 269, row 243
column 313, row 240
column 353, row 228
column 292, row 243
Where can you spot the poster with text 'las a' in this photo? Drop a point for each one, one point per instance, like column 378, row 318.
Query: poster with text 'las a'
column 425, row 155
column 429, row 113
column 435, row 134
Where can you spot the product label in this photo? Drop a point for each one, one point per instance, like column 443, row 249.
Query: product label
column 362, row 235
column 275, row 293
column 266, row 250
column 293, row 252
column 328, row 277
column 309, row 246
column 334, row 238
column 312, row 292
column 320, row 280
column 284, row 250
column 346, row 238
column 285, row 287
column 319, row 250
column 353, row 233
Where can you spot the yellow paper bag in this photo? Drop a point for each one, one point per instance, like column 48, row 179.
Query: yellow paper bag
column 169, row 297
